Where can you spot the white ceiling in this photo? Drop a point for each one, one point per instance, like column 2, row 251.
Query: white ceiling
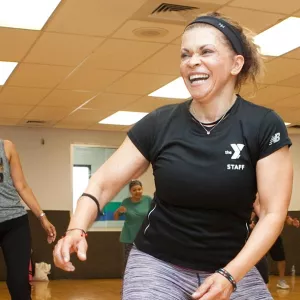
column 88, row 62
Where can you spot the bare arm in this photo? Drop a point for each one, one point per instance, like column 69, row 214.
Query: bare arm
column 23, row 188
column 275, row 177
column 289, row 220
column 118, row 212
column 116, row 215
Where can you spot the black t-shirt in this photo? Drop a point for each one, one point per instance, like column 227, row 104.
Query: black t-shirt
column 205, row 184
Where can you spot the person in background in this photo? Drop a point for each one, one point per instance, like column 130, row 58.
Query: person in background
column 15, row 237
column 276, row 252
column 135, row 209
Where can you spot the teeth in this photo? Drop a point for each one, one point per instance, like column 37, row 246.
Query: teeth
column 198, row 76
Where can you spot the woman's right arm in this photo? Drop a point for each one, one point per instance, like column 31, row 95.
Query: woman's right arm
column 125, row 163
column 118, row 212
column 116, row 215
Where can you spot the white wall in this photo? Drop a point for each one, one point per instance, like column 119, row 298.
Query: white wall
column 48, row 167
column 295, row 203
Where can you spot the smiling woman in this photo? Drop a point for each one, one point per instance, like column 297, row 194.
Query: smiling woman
column 210, row 156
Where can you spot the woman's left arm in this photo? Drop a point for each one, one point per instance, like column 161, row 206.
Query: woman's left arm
column 274, row 179
column 24, row 189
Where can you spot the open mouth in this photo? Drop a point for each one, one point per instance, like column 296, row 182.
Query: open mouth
column 198, row 78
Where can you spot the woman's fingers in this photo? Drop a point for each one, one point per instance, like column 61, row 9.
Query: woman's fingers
column 203, row 288
column 215, row 287
column 53, row 232
column 64, row 248
column 61, row 254
column 82, row 249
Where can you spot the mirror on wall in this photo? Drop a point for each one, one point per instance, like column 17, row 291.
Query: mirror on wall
column 86, row 159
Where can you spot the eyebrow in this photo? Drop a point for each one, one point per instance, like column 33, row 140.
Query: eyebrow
column 200, row 48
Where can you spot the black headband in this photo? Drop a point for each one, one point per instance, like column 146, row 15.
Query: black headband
column 228, row 30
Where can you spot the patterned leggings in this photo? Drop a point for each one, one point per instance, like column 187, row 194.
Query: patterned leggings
column 149, row 278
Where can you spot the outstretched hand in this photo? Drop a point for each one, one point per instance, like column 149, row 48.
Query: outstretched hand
column 73, row 242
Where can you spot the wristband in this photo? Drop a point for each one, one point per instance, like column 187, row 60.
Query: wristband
column 95, row 200
column 228, row 276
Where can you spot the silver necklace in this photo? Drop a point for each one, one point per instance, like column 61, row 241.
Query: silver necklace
column 212, row 128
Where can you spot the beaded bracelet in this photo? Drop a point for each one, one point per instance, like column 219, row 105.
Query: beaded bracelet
column 83, row 232
column 228, row 276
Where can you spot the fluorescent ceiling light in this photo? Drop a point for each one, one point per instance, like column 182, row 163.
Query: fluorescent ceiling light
column 176, row 89
column 281, row 38
column 6, row 69
column 26, row 14
column 123, row 118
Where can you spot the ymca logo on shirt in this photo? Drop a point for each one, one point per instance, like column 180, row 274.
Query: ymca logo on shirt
column 237, row 149
column 275, row 138
column 235, row 154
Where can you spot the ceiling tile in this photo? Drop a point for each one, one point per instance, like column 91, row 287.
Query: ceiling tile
column 48, row 113
column 87, row 115
column 249, row 90
column 295, row 54
column 285, row 7
column 165, row 61
column 127, row 128
column 292, row 102
column 148, row 104
column 175, row 17
column 121, row 54
column 14, row 111
column 255, row 20
column 17, row 43
column 106, row 101
column 221, row 2
column 92, row 17
column 73, row 125
column 288, row 115
column 280, row 69
column 292, row 81
column 20, row 95
column 8, row 122
column 90, row 79
column 104, row 127
column 66, row 98
column 42, row 76
column 128, row 29
column 62, row 49
column 177, row 41
column 139, row 83
column 273, row 93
